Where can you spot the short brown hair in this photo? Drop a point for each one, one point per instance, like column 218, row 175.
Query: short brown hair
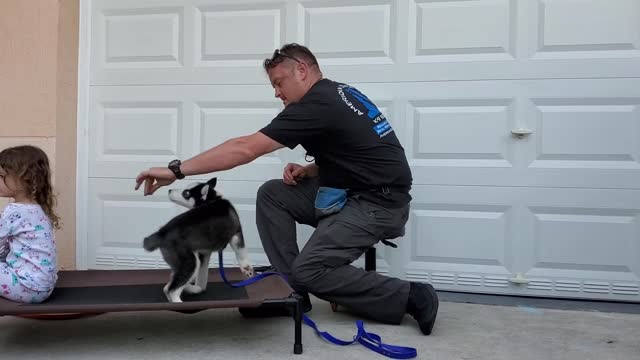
column 293, row 51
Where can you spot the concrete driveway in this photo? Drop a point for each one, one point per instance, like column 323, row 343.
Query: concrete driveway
column 463, row 331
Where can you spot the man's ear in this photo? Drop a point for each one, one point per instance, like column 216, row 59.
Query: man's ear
column 303, row 69
column 212, row 182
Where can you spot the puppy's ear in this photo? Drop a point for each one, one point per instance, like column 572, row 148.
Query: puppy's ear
column 204, row 191
column 213, row 182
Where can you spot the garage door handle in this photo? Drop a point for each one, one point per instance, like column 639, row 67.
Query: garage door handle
column 521, row 132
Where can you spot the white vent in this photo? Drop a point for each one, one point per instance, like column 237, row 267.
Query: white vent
column 596, row 287
column 146, row 263
column 443, row 278
column 132, row 263
column 625, row 289
column 105, row 262
column 469, row 280
column 567, row 285
column 496, row 281
column 417, row 276
column 126, row 262
column 540, row 284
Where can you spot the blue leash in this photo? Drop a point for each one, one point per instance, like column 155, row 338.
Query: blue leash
column 369, row 340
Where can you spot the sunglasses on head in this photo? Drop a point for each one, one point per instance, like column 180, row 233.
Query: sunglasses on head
column 278, row 57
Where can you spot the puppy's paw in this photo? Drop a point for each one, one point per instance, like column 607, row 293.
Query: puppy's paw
column 247, row 270
column 192, row 289
column 173, row 297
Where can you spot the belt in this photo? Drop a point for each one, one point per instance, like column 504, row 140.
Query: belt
column 385, row 189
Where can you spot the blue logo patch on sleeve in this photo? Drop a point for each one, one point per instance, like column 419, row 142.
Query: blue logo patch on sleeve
column 380, row 125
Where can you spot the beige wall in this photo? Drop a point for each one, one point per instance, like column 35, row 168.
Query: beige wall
column 38, row 91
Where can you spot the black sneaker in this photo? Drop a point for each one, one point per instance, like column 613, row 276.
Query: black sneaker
column 423, row 305
column 274, row 311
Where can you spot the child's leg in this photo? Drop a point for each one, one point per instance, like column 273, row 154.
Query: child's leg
column 10, row 288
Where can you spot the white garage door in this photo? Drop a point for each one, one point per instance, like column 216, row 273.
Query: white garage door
column 554, row 213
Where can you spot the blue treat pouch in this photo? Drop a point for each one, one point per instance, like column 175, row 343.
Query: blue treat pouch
column 329, row 201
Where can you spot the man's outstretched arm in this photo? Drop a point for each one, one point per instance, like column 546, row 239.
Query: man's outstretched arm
column 234, row 152
column 228, row 155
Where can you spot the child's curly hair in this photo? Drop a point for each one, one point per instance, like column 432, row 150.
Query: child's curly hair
column 29, row 165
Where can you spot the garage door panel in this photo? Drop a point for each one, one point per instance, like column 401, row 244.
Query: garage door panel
column 582, row 133
column 445, row 132
column 594, row 133
column 583, row 242
column 123, row 130
column 574, row 29
column 560, row 232
column 366, row 40
column 139, row 38
column 130, row 133
column 444, row 234
column 458, row 237
column 487, row 34
column 257, row 29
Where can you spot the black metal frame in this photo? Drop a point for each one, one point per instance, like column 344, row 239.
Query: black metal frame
column 370, row 259
column 294, row 303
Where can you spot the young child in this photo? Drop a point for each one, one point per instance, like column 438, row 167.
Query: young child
column 28, row 261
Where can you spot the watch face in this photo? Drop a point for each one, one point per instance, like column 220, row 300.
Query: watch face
column 174, row 166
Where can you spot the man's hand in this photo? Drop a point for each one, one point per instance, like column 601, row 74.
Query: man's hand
column 293, row 172
column 154, row 178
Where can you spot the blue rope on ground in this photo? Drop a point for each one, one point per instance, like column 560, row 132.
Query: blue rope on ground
column 371, row 341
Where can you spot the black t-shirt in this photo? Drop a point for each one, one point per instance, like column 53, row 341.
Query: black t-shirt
column 351, row 141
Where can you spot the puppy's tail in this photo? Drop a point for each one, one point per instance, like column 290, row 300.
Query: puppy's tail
column 152, row 242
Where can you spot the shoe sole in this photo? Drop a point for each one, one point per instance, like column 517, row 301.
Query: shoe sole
column 434, row 312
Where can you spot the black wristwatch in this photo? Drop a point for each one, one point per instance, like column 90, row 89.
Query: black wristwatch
column 174, row 166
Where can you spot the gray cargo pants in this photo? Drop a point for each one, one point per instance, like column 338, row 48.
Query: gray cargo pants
column 323, row 267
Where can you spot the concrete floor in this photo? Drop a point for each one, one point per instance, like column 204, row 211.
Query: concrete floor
column 463, row 331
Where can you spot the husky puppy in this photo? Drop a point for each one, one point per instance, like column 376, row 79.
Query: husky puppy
column 187, row 241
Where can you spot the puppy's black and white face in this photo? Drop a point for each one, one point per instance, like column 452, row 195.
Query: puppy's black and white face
column 195, row 194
